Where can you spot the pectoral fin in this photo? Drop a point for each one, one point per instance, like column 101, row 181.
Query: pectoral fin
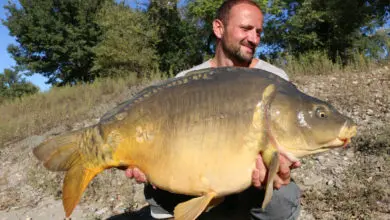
column 273, row 167
column 191, row 209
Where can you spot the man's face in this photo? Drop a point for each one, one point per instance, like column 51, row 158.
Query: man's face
column 242, row 32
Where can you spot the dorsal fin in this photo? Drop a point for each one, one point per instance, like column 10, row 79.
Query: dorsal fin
column 196, row 76
column 203, row 74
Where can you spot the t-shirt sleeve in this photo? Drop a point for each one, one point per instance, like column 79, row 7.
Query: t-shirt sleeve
column 198, row 67
column 272, row 69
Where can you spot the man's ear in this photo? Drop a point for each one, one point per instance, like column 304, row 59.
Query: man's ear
column 218, row 28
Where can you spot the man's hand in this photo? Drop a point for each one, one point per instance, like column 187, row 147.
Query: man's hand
column 137, row 174
column 259, row 174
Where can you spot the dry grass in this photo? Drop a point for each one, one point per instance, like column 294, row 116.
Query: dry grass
column 318, row 63
column 60, row 106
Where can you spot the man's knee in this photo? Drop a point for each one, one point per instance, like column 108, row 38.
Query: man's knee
column 285, row 204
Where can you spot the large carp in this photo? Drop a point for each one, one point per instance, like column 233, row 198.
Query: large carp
column 199, row 135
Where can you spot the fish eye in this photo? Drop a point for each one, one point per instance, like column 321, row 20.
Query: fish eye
column 321, row 112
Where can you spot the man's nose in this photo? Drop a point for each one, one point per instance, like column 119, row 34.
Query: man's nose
column 254, row 37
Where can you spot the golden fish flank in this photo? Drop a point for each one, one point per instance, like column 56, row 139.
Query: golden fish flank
column 200, row 135
column 144, row 134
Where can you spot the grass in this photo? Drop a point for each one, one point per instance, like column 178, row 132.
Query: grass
column 32, row 115
column 318, row 63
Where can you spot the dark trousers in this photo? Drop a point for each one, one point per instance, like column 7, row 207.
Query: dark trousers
column 285, row 204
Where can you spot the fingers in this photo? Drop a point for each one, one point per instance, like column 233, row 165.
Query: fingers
column 284, row 174
column 295, row 164
column 137, row 174
column 129, row 172
column 255, row 178
column 259, row 173
column 279, row 182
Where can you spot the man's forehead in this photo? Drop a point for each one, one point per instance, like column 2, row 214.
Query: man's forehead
column 241, row 11
column 243, row 7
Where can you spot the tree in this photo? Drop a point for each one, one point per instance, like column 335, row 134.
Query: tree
column 127, row 44
column 179, row 46
column 55, row 37
column 330, row 25
column 12, row 85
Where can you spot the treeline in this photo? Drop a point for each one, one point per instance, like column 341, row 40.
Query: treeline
column 12, row 85
column 77, row 41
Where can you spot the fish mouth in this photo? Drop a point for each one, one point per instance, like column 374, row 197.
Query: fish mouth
column 338, row 142
column 344, row 137
column 293, row 154
column 348, row 130
column 346, row 142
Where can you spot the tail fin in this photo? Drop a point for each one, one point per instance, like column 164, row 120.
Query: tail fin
column 59, row 153
column 75, row 182
column 63, row 153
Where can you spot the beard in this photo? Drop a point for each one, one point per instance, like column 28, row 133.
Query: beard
column 233, row 51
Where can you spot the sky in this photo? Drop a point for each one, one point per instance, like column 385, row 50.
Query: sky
column 6, row 61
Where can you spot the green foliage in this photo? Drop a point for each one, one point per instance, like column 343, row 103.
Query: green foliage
column 55, row 37
column 327, row 25
column 13, row 86
column 179, row 46
column 127, row 45
column 376, row 45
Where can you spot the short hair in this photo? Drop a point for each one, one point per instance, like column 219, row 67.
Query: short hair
column 224, row 10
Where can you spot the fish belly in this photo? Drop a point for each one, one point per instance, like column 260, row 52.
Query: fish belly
column 194, row 172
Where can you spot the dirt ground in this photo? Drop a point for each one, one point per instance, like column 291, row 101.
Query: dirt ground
column 352, row 183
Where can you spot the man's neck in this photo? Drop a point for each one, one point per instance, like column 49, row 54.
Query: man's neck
column 215, row 62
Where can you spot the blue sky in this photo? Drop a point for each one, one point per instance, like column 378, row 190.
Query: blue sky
column 6, row 61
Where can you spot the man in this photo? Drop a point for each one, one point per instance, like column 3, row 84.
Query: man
column 237, row 29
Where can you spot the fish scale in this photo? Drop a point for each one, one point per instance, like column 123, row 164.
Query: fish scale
column 200, row 135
